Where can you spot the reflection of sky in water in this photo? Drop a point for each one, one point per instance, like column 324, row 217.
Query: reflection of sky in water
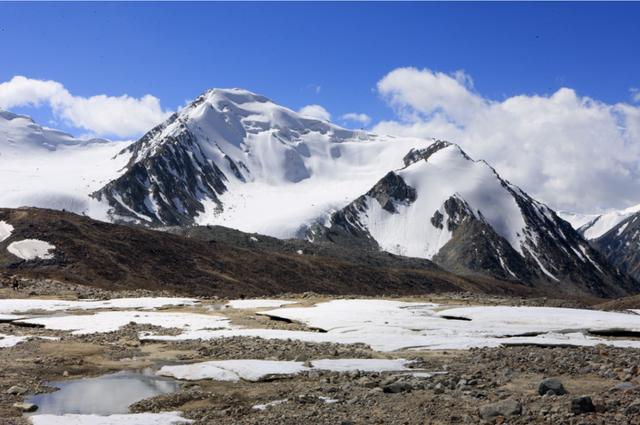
column 104, row 395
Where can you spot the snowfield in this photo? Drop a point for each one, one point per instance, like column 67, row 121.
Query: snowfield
column 392, row 325
column 384, row 325
column 41, row 167
column 31, row 249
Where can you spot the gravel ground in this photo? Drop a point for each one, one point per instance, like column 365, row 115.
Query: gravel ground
column 600, row 385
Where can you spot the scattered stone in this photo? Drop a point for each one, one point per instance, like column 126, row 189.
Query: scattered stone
column 17, row 390
column 397, row 387
column 25, row 407
column 624, row 386
column 582, row 405
column 551, row 385
column 506, row 408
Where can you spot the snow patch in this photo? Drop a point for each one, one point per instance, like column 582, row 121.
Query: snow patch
column 19, row 305
column 256, row 370
column 31, row 249
column 257, row 303
column 110, row 321
column 5, row 230
column 165, row 418
column 393, row 325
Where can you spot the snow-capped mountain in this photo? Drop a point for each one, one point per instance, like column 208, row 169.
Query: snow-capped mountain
column 621, row 245
column 43, row 167
column 444, row 206
column 592, row 226
column 237, row 159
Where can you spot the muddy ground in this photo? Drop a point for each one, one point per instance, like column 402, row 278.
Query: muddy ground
column 498, row 385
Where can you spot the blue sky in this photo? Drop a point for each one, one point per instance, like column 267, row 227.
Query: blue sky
column 285, row 51
column 545, row 92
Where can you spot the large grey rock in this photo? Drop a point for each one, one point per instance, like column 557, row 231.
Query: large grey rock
column 397, row 387
column 552, row 385
column 17, row 390
column 506, row 408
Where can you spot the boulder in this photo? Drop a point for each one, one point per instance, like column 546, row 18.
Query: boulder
column 582, row 405
column 505, row 408
column 551, row 385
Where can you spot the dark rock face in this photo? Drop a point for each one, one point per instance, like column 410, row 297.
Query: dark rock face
column 552, row 385
column 168, row 186
column 416, row 155
column 475, row 246
column 621, row 246
column 347, row 228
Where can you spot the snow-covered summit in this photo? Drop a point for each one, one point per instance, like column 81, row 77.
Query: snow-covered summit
column 236, row 158
column 47, row 168
column 592, row 226
column 460, row 213
column 20, row 133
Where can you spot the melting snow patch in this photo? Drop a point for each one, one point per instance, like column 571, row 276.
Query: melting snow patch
column 363, row 365
column 8, row 306
column 7, row 341
column 165, row 418
column 9, row 318
column 30, row 249
column 256, row 370
column 110, row 321
column 271, row 403
column 5, row 230
column 234, row 370
column 257, row 303
column 392, row 325
column 11, row 340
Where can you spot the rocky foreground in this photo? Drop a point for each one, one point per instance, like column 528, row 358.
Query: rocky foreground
column 516, row 384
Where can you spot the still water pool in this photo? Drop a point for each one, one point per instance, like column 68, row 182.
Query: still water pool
column 103, row 395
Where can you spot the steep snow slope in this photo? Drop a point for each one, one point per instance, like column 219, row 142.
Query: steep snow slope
column 621, row 245
column 592, row 226
column 237, row 159
column 458, row 212
column 47, row 168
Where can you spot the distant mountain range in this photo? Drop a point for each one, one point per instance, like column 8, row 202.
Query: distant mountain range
column 615, row 234
column 237, row 159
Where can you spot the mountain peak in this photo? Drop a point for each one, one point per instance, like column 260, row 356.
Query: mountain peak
column 10, row 116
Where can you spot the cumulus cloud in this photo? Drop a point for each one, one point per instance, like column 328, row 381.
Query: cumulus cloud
column 315, row 111
column 121, row 116
column 635, row 94
column 570, row 151
column 363, row 119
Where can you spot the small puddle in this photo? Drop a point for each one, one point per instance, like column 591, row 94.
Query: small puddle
column 103, row 395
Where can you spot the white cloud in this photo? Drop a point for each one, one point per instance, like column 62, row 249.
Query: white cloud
column 315, row 111
column 570, row 151
column 635, row 94
column 363, row 119
column 121, row 116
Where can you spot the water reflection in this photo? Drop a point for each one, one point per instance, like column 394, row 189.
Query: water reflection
column 104, row 395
